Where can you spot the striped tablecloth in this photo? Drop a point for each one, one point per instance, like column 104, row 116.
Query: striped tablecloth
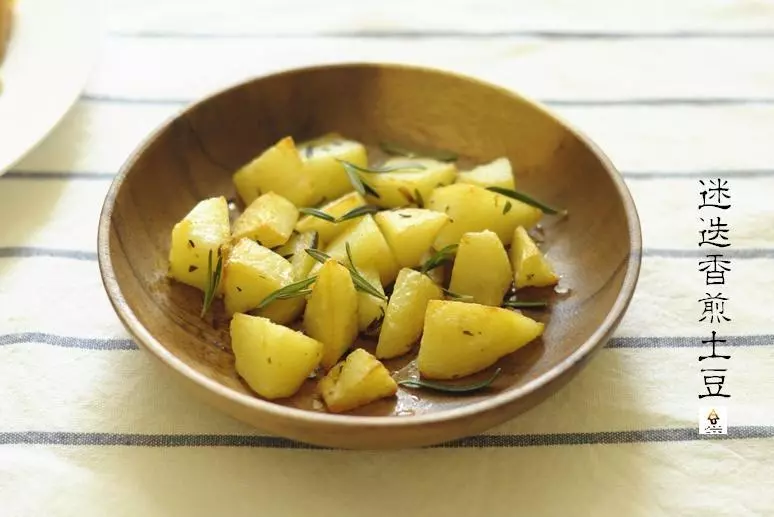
column 675, row 92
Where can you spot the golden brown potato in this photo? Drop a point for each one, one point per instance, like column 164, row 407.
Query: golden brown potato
column 273, row 360
column 269, row 220
column 481, row 268
column 460, row 338
column 279, row 169
column 203, row 230
column 355, row 382
column 331, row 311
column 405, row 313
column 530, row 267
column 472, row 209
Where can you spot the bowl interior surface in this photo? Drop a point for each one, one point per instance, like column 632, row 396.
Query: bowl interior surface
column 595, row 249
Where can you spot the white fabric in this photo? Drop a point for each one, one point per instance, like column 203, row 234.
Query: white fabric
column 90, row 426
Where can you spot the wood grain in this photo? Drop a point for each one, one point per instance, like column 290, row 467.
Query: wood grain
column 596, row 250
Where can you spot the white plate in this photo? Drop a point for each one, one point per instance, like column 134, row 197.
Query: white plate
column 51, row 53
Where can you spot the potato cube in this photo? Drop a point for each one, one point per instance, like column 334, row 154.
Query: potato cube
column 369, row 307
column 273, row 360
column 269, row 220
column 410, row 232
column 288, row 310
column 472, row 209
column 336, row 208
column 294, row 251
column 530, row 267
column 398, row 189
column 279, row 169
column 203, row 230
column 356, row 381
column 331, row 312
column 251, row 273
column 321, row 158
column 460, row 338
column 481, row 268
column 497, row 173
column 405, row 313
column 369, row 249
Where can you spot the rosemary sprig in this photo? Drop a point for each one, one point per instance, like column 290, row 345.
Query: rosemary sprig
column 357, row 182
column 213, row 281
column 406, row 194
column 524, row 198
column 360, row 283
column 406, row 167
column 358, row 212
column 399, row 150
column 418, row 196
column 349, row 255
column 289, row 291
column 319, row 256
column 316, row 212
column 516, row 304
column 352, row 214
column 440, row 257
column 457, row 296
column 450, row 388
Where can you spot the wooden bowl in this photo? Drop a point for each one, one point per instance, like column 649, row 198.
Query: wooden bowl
column 597, row 249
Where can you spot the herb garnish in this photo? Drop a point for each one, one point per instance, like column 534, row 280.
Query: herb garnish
column 439, row 258
column 360, row 283
column 524, row 198
column 516, row 304
column 213, row 281
column 399, row 150
column 507, row 207
column 316, row 212
column 419, row 198
column 457, row 296
column 352, row 214
column 357, row 182
column 289, row 291
column 406, row 167
column 319, row 256
column 450, row 388
column 405, row 193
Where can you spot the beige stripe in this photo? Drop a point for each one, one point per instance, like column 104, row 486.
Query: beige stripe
column 552, row 69
column 61, row 389
column 68, row 221
column 691, row 479
column 307, row 16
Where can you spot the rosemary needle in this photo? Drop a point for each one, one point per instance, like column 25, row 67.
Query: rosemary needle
column 441, row 256
column 527, row 199
column 289, row 291
column 213, row 281
column 450, row 388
